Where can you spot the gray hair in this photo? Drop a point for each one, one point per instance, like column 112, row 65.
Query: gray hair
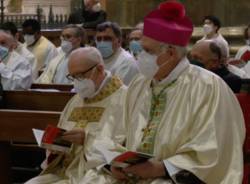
column 78, row 31
column 181, row 51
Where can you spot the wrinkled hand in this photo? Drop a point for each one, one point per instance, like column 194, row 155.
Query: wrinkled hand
column 118, row 173
column 146, row 170
column 76, row 136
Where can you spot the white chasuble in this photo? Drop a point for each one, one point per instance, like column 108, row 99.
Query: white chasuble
column 99, row 116
column 200, row 127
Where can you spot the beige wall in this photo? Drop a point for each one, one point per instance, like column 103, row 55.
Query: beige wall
column 231, row 12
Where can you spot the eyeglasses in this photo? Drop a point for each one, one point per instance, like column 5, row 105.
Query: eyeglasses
column 104, row 38
column 79, row 76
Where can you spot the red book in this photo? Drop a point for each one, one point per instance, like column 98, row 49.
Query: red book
column 246, row 56
column 130, row 158
column 51, row 139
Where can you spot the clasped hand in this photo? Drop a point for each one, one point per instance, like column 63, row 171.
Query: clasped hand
column 146, row 170
column 76, row 136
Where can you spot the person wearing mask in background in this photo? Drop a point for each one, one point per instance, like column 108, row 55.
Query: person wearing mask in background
column 15, row 70
column 90, row 16
column 96, row 110
column 11, row 28
column 41, row 47
column 57, row 70
column 211, row 26
column 118, row 61
column 243, row 54
column 211, row 30
column 134, row 42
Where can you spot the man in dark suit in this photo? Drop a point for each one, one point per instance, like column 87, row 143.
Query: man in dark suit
column 208, row 55
column 90, row 16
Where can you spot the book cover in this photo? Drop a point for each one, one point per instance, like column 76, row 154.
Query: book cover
column 51, row 139
column 246, row 56
column 124, row 159
column 130, row 158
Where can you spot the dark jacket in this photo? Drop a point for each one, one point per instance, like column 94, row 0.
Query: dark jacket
column 87, row 18
column 233, row 81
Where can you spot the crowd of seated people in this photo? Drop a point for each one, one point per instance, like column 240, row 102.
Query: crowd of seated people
column 157, row 98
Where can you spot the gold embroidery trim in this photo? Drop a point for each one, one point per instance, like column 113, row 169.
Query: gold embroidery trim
column 108, row 90
column 83, row 115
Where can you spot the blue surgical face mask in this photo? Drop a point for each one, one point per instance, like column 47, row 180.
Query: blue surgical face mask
column 3, row 52
column 135, row 47
column 106, row 49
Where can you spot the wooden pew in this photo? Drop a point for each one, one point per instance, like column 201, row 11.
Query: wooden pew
column 16, row 125
column 38, row 110
column 60, row 87
column 36, row 100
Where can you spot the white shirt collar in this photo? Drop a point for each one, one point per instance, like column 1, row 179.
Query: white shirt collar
column 175, row 73
column 104, row 82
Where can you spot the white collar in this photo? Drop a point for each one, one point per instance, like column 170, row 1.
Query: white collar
column 104, row 82
column 175, row 73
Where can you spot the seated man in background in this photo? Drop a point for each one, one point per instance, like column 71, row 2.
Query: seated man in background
column 15, row 70
column 95, row 110
column 243, row 53
column 135, row 47
column 41, row 47
column 211, row 29
column 57, row 70
column 90, row 15
column 118, row 61
column 19, row 47
column 185, row 117
column 209, row 55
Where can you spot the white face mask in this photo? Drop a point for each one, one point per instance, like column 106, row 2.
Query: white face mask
column 207, row 29
column 85, row 88
column 147, row 64
column 248, row 41
column 29, row 39
column 66, row 46
column 96, row 7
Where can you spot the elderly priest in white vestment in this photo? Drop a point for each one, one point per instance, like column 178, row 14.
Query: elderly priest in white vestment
column 15, row 70
column 184, row 116
column 94, row 111
column 57, row 70
column 20, row 48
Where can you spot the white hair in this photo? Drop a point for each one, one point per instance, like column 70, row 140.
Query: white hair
column 90, row 54
column 181, row 51
column 93, row 54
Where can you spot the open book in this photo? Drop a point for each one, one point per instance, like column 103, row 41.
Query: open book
column 124, row 159
column 51, row 139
